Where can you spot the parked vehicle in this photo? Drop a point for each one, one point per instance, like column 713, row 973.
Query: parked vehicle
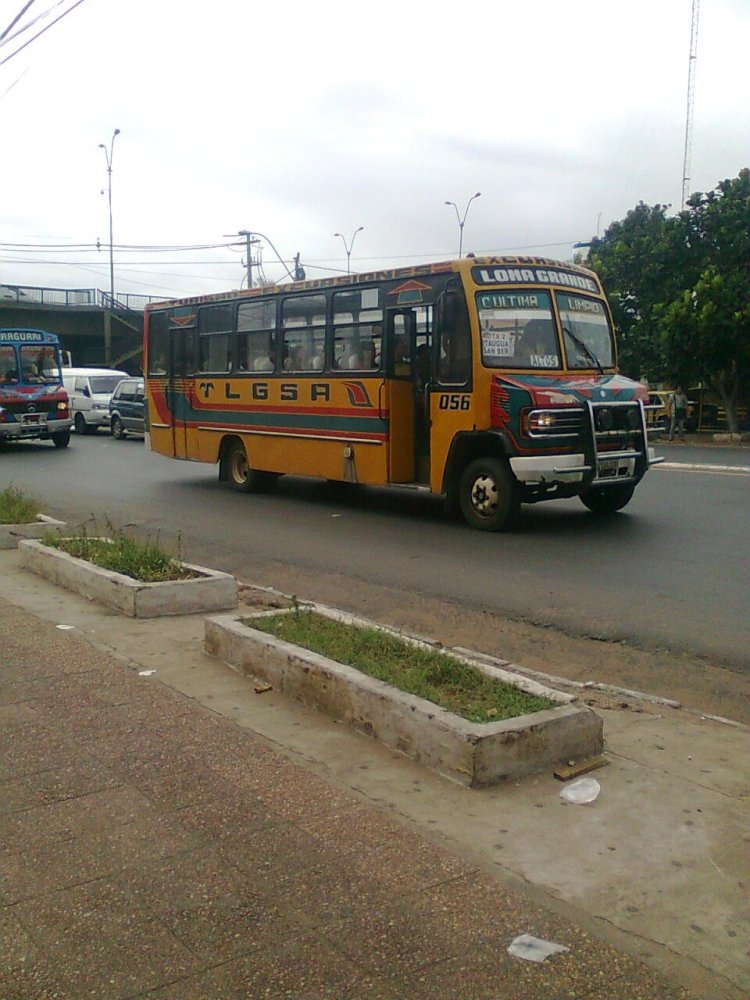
column 127, row 409
column 90, row 390
column 658, row 408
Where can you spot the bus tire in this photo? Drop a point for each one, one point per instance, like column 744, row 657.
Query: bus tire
column 488, row 495
column 239, row 474
column 61, row 439
column 80, row 424
column 607, row 499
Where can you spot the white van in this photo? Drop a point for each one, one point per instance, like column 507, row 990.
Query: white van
column 90, row 390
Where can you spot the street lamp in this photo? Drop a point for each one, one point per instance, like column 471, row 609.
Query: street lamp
column 108, row 154
column 348, row 247
column 462, row 220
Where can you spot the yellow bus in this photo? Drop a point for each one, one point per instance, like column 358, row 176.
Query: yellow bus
column 492, row 381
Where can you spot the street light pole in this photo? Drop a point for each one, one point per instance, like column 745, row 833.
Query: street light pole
column 462, row 220
column 349, row 247
column 109, row 154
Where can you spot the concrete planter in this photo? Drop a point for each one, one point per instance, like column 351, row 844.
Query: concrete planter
column 209, row 591
column 11, row 534
column 473, row 754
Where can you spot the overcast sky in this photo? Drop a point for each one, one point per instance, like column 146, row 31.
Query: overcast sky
column 303, row 119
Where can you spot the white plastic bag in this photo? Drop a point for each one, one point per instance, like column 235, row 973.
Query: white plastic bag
column 533, row 949
column 581, row 792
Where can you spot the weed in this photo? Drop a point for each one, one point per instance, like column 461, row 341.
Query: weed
column 16, row 507
column 146, row 561
column 427, row 673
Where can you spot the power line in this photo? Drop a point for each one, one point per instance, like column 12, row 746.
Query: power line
column 16, row 19
column 39, row 33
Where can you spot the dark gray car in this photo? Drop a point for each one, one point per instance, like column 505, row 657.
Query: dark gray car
column 127, row 408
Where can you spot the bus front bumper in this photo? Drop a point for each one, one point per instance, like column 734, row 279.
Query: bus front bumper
column 548, row 468
column 570, row 469
column 26, row 430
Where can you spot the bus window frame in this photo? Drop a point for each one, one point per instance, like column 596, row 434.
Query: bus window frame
column 208, row 335
column 244, row 334
column 310, row 343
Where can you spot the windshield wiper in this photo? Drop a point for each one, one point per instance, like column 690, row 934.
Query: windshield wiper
column 586, row 349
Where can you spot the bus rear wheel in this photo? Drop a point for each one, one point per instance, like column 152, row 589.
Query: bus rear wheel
column 488, row 495
column 241, row 476
column 607, row 499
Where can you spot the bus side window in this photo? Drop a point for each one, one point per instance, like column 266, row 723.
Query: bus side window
column 454, row 359
column 399, row 346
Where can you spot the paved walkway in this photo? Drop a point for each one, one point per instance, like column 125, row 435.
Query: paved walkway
column 156, row 846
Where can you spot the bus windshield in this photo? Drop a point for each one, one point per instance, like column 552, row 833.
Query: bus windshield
column 586, row 332
column 518, row 330
column 39, row 365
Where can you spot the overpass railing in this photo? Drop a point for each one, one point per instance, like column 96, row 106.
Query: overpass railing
column 74, row 297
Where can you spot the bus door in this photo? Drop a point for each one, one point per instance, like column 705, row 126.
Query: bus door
column 180, row 385
column 408, row 339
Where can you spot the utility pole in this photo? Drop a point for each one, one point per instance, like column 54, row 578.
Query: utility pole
column 249, row 242
column 690, row 101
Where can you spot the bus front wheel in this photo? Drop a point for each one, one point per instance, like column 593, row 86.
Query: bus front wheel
column 607, row 499
column 488, row 495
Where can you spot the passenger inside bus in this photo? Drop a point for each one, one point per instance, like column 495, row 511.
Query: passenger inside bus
column 536, row 348
column 297, row 360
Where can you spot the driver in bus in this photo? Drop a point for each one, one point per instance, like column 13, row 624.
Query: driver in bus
column 537, row 343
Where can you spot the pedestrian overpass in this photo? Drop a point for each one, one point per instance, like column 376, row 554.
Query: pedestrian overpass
column 96, row 329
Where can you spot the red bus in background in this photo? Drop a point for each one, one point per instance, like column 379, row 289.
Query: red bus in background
column 33, row 401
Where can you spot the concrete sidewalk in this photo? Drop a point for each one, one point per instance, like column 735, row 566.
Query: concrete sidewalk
column 168, row 832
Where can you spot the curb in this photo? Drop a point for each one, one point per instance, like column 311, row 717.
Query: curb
column 473, row 754
column 210, row 591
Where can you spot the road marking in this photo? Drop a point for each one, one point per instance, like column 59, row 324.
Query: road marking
column 727, row 470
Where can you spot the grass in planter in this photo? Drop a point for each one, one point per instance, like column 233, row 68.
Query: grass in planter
column 16, row 507
column 146, row 561
column 429, row 674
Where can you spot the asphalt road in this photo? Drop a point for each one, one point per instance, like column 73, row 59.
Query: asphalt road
column 670, row 572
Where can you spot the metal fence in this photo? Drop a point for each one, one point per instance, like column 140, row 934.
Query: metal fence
column 74, row 297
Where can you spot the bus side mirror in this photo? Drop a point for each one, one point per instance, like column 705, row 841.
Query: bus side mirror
column 447, row 310
column 86, row 391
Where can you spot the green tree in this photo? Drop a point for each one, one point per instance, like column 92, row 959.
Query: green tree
column 707, row 323
column 633, row 261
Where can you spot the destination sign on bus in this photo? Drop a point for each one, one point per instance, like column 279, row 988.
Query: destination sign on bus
column 532, row 275
column 23, row 336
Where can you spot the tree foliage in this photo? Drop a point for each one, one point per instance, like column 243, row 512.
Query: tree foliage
column 679, row 290
column 631, row 260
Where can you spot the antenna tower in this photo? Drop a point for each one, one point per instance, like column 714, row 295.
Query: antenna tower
column 690, row 101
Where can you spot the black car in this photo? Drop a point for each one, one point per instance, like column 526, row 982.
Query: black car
column 127, row 408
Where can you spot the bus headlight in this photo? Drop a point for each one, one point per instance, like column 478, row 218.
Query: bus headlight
column 540, row 421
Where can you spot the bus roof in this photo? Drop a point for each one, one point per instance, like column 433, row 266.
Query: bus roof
column 367, row 277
